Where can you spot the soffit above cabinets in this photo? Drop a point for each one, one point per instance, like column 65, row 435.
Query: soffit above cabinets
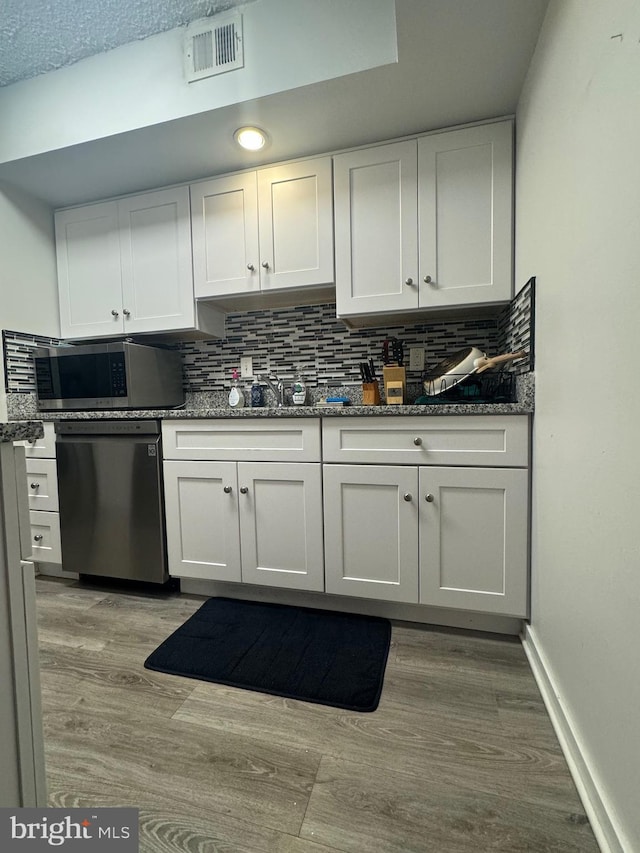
column 459, row 61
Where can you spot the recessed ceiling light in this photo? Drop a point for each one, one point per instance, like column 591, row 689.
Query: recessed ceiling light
column 251, row 138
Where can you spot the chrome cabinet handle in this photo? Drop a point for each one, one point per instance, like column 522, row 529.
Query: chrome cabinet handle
column 417, row 441
column 35, row 485
column 407, row 497
column 227, row 490
column 244, row 489
column 429, row 498
column 427, row 279
column 126, row 313
column 114, row 312
column 265, row 264
column 37, row 538
column 409, row 281
column 250, row 267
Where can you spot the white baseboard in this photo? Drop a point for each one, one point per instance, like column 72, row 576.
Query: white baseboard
column 609, row 837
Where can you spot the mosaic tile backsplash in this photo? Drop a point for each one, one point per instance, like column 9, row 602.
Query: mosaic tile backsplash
column 18, row 364
column 311, row 340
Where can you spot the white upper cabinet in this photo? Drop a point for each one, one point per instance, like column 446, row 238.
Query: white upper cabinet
column 155, row 245
column 263, row 231
column 124, row 267
column 376, row 236
column 425, row 223
column 224, row 214
column 89, row 277
column 465, row 216
column 295, row 207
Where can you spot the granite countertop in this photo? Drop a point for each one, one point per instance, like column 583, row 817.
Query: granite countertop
column 295, row 412
column 214, row 404
column 21, row 430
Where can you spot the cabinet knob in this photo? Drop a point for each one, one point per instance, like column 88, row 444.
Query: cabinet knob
column 126, row 312
column 35, row 485
column 250, row 267
column 244, row 489
column 407, row 497
column 429, row 498
column 427, row 279
column 115, row 313
column 265, row 264
column 408, row 281
column 227, row 490
column 417, row 441
column 31, row 441
column 38, row 538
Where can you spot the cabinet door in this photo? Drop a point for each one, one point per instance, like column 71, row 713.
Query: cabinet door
column 473, row 539
column 224, row 217
column 281, row 524
column 89, row 276
column 371, row 531
column 296, row 225
column 465, row 209
column 376, row 229
column 203, row 534
column 157, row 279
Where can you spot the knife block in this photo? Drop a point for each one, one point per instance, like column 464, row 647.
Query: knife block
column 370, row 394
column 395, row 381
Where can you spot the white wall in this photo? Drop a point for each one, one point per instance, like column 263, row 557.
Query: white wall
column 28, row 279
column 578, row 231
column 288, row 44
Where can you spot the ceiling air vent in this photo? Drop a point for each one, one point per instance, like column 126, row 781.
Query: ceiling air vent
column 213, row 46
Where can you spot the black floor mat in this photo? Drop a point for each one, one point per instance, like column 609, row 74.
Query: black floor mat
column 313, row 655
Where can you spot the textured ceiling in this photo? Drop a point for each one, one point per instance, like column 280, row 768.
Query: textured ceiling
column 37, row 36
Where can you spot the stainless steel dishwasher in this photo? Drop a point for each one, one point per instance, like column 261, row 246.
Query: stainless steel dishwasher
column 111, row 499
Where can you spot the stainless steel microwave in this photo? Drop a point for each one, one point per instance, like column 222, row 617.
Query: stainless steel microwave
column 119, row 375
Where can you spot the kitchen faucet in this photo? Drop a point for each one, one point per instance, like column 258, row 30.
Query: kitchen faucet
column 278, row 388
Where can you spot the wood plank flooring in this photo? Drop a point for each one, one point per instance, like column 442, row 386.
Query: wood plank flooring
column 459, row 757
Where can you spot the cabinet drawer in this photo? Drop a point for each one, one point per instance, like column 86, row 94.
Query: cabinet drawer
column 41, row 448
column 473, row 440
column 45, row 537
column 259, row 440
column 42, row 484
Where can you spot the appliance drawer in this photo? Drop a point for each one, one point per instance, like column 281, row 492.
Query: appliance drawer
column 471, row 440
column 42, row 484
column 250, row 440
column 45, row 537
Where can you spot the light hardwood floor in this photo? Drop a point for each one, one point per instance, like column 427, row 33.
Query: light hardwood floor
column 460, row 755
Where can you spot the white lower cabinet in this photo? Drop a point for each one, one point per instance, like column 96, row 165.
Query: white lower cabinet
column 416, row 510
column 256, row 522
column 45, row 536
column 42, row 491
column 428, row 510
column 473, row 539
column 448, row 537
column 202, row 518
column 371, row 531
column 281, row 524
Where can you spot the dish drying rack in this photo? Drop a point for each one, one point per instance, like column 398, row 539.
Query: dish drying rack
column 489, row 387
